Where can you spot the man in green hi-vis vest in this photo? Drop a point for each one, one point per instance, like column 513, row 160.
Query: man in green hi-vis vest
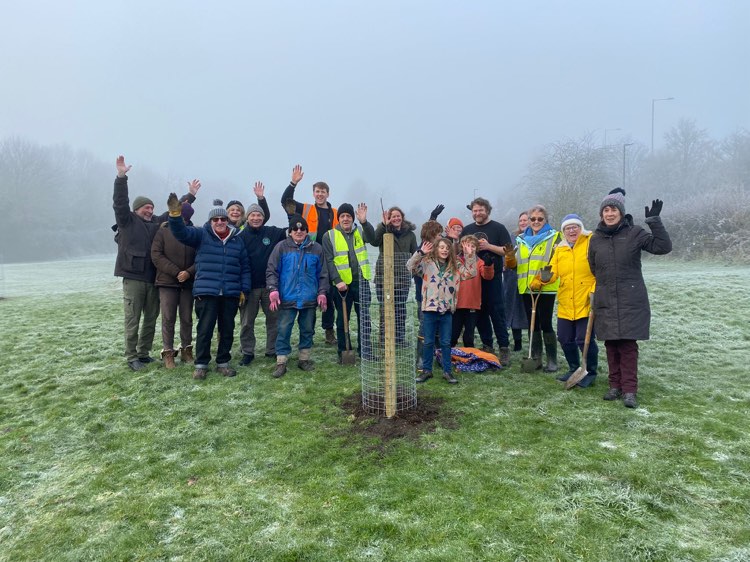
column 346, row 259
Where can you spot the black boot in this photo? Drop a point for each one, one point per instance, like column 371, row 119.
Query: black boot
column 592, row 364
column 536, row 349
column 550, row 344
column 517, row 339
column 570, row 350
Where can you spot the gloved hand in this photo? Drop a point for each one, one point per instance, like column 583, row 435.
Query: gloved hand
column 536, row 284
column 275, row 300
column 510, row 257
column 545, row 275
column 655, row 209
column 436, row 212
column 487, row 259
column 242, row 299
column 174, row 205
column 322, row 302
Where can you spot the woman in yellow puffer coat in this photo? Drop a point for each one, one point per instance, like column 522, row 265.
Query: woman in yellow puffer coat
column 571, row 266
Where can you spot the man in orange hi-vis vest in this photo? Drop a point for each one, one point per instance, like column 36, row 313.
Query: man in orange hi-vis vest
column 320, row 217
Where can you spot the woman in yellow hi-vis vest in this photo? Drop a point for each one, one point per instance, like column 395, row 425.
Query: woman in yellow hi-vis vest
column 535, row 247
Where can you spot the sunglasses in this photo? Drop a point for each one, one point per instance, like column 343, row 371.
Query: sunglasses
column 219, row 219
column 298, row 229
column 536, row 219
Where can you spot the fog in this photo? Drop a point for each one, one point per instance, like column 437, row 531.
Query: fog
column 415, row 102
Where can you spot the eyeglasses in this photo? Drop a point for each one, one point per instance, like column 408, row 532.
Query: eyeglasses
column 572, row 227
column 219, row 219
column 298, row 229
column 536, row 219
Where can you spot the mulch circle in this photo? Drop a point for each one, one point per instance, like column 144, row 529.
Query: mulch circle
column 429, row 413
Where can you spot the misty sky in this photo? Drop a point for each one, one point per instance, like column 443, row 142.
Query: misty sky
column 417, row 100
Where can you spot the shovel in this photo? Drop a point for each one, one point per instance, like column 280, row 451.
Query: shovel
column 348, row 357
column 581, row 372
column 529, row 365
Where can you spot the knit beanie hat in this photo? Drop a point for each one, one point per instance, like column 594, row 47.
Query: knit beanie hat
column 187, row 212
column 218, row 210
column 615, row 198
column 296, row 221
column 255, row 208
column 454, row 221
column 235, row 202
column 346, row 209
column 140, row 201
column 571, row 219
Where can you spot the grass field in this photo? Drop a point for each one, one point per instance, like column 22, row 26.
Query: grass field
column 99, row 463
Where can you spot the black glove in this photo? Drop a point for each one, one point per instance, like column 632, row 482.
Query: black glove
column 655, row 209
column 487, row 259
column 436, row 212
column 546, row 274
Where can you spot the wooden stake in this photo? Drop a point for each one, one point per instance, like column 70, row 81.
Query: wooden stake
column 389, row 310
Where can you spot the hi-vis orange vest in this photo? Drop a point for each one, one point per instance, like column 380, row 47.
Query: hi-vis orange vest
column 310, row 214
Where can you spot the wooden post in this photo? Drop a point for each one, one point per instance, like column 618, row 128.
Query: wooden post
column 389, row 310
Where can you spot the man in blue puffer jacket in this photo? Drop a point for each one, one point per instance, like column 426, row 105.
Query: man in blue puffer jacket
column 222, row 279
column 298, row 281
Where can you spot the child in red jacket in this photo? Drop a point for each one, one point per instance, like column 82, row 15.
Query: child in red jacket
column 470, row 297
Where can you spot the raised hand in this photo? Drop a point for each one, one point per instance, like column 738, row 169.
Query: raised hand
column 655, row 209
column 468, row 248
column 174, row 205
column 426, row 247
column 259, row 190
column 297, row 174
column 193, row 187
column 122, row 168
column 436, row 212
column 362, row 213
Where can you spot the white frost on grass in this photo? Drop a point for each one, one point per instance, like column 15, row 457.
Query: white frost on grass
column 720, row 457
column 608, row 445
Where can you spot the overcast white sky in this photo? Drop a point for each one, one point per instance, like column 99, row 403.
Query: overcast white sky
column 416, row 100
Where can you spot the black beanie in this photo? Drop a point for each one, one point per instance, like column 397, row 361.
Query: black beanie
column 346, row 208
column 296, row 221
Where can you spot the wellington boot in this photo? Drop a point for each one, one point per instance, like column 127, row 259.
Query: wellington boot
column 168, row 356
column 186, row 354
column 536, row 350
column 550, row 345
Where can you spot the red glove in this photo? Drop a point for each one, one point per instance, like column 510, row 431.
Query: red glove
column 322, row 302
column 275, row 300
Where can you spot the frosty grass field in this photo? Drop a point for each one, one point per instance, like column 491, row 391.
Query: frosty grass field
column 101, row 463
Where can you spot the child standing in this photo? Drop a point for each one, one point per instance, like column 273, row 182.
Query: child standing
column 441, row 275
column 469, row 299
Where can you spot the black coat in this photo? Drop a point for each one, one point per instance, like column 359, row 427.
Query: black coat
column 621, row 308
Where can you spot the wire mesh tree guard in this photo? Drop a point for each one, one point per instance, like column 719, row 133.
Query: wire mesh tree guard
column 388, row 337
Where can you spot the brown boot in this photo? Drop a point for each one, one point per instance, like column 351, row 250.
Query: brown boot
column 200, row 374
column 168, row 356
column 305, row 363
column 330, row 337
column 186, row 354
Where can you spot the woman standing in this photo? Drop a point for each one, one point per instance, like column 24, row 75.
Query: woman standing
column 621, row 308
column 515, row 315
column 535, row 248
column 570, row 264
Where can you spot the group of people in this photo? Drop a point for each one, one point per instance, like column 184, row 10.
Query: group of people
column 236, row 261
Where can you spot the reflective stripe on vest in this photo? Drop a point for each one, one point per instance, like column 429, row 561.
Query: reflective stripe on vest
column 531, row 261
column 310, row 214
column 341, row 255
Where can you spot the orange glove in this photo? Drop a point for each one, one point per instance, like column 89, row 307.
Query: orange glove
column 510, row 257
column 536, row 284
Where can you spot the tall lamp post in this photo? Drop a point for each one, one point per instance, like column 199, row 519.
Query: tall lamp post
column 653, row 102
column 624, row 154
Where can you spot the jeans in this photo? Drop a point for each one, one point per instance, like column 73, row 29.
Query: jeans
column 434, row 321
column 258, row 298
column 306, row 322
column 210, row 311
column 139, row 298
column 492, row 313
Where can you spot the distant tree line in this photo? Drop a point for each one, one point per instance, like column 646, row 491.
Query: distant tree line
column 705, row 185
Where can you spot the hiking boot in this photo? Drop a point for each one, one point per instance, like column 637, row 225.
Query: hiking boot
column 450, row 378
column 505, row 356
column 613, row 394
column 566, row 376
column 629, row 400
column 136, row 365
column 227, row 371
column 306, row 364
column 488, row 349
column 168, row 356
column 146, row 359
column 424, row 377
column 186, row 354
column 200, row 374
column 247, row 358
column 330, row 337
column 271, row 355
column 550, row 346
column 279, row 371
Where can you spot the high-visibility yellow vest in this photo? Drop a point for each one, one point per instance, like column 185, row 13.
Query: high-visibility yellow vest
column 532, row 260
column 341, row 255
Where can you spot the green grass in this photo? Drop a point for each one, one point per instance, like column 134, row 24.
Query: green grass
column 100, row 463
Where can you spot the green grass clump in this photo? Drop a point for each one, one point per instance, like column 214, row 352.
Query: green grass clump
column 98, row 462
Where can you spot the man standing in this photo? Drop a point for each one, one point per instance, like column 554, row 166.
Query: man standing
column 298, row 281
column 346, row 259
column 320, row 217
column 493, row 237
column 259, row 242
column 135, row 233
column 222, row 280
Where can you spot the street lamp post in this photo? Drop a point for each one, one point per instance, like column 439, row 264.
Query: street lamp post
column 624, row 154
column 605, row 135
column 653, row 102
